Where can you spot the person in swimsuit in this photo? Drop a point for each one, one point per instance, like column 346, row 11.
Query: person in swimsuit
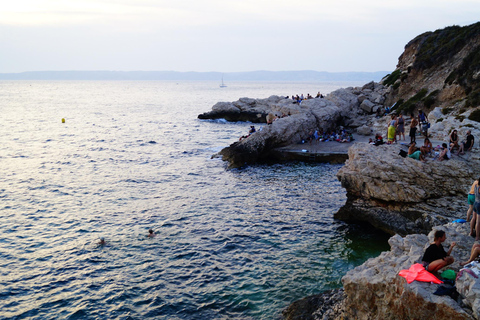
column 471, row 201
column 475, row 222
column 474, row 253
column 414, row 153
column 401, row 127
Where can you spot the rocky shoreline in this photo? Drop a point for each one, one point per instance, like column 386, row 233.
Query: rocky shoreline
column 402, row 196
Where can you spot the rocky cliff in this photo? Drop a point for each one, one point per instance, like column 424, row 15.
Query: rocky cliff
column 438, row 69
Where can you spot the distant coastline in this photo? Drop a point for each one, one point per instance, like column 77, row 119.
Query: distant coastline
column 296, row 76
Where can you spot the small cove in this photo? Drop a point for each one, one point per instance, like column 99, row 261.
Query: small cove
column 239, row 244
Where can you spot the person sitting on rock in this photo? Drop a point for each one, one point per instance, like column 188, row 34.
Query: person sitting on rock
column 415, row 153
column 378, row 139
column 427, row 147
column 270, row 118
column 474, row 253
column 435, row 257
column 252, row 130
column 445, row 153
column 454, row 140
column 466, row 145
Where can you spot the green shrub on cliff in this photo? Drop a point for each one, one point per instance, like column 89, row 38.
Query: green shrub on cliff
column 417, row 100
column 429, row 100
column 466, row 75
column 436, row 48
column 447, row 110
column 475, row 115
column 391, row 78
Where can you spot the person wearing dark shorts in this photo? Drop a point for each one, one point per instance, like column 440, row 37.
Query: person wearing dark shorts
column 468, row 144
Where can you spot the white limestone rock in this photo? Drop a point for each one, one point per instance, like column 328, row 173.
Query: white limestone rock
column 374, row 290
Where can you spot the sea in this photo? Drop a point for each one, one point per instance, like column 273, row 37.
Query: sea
column 130, row 156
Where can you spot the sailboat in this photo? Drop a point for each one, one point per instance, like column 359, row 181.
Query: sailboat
column 222, row 85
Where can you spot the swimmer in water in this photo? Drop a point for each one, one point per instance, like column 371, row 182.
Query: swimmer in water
column 151, row 234
column 102, row 241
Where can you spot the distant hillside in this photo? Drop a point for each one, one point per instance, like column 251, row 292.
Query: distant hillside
column 438, row 69
column 205, row 76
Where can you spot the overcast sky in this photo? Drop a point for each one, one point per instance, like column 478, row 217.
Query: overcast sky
column 218, row 35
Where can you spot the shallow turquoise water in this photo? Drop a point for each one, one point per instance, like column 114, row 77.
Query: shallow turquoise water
column 239, row 244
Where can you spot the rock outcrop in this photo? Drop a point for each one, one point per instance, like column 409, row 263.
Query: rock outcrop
column 374, row 290
column 260, row 146
column 245, row 109
column 294, row 122
column 403, row 195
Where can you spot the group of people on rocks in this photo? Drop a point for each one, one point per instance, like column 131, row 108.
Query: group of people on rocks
column 330, row 135
column 271, row 117
column 299, row 98
column 435, row 256
column 443, row 152
column 396, row 128
column 250, row 132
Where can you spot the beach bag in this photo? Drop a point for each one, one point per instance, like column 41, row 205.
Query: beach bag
column 403, row 153
column 448, row 274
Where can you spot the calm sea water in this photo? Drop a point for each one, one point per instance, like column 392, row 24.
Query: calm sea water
column 238, row 244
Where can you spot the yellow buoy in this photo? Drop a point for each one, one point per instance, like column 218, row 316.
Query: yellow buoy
column 63, row 120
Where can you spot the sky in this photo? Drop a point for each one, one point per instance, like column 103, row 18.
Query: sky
column 218, row 35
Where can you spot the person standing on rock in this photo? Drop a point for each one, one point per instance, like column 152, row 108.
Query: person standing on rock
column 413, row 128
column 421, row 120
column 392, row 125
column 475, row 223
column 435, row 257
column 400, row 127
column 471, row 202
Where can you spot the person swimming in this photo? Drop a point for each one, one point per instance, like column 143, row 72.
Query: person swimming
column 151, row 234
column 102, row 242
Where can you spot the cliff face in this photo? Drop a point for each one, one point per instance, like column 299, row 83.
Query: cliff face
column 442, row 66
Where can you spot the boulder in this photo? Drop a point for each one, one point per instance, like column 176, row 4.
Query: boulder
column 364, row 130
column 374, row 290
column 367, row 106
column 403, row 195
